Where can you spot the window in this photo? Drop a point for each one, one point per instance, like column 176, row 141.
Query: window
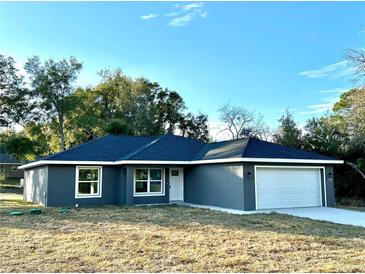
column 148, row 182
column 88, row 182
column 174, row 172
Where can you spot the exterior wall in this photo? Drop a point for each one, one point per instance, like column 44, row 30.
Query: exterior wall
column 131, row 200
column 35, row 185
column 225, row 185
column 7, row 170
column 250, row 202
column 249, row 186
column 117, row 186
column 61, row 186
column 330, row 188
column 215, row 184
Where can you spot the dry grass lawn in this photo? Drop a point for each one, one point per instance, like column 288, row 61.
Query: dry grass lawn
column 172, row 238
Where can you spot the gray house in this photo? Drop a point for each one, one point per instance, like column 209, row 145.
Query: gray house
column 9, row 167
column 246, row 174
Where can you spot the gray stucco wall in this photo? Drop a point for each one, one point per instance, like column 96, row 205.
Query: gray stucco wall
column 249, row 186
column 35, row 185
column 61, row 186
column 249, row 183
column 225, row 185
column 117, row 187
column 330, row 188
column 215, row 184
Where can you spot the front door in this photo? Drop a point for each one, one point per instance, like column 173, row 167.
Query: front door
column 176, row 184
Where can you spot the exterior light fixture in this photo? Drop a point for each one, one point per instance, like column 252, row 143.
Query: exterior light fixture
column 249, row 174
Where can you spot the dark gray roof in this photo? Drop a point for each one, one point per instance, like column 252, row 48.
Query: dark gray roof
column 222, row 150
column 107, row 148
column 261, row 149
column 170, row 148
column 8, row 159
column 176, row 148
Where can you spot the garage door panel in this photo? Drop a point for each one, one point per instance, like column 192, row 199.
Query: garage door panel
column 287, row 187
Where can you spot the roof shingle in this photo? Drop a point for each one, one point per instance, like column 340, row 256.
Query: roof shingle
column 176, row 148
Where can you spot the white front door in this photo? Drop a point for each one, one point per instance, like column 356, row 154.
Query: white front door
column 176, row 184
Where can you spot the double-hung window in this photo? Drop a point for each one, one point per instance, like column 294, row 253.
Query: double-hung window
column 88, row 182
column 148, row 182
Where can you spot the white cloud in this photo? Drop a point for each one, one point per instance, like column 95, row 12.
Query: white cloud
column 334, row 90
column 181, row 21
column 182, row 14
column 186, row 13
column 326, row 105
column 192, row 6
column 172, row 14
column 332, row 71
column 149, row 16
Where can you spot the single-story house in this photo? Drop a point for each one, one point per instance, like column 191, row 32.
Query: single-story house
column 9, row 167
column 245, row 174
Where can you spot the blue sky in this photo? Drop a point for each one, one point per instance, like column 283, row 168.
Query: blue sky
column 264, row 56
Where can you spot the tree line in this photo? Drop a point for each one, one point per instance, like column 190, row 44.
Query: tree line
column 55, row 115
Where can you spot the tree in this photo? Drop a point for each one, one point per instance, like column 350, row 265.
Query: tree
column 349, row 113
column 52, row 85
column 258, row 129
column 288, row 133
column 323, row 136
column 357, row 58
column 240, row 122
column 85, row 121
column 235, row 119
column 19, row 146
column 120, row 104
column 15, row 103
column 116, row 126
column 195, row 127
column 342, row 135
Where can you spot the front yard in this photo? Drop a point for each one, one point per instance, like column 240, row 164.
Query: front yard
column 172, row 238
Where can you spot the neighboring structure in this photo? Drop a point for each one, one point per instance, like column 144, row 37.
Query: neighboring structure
column 9, row 167
column 246, row 174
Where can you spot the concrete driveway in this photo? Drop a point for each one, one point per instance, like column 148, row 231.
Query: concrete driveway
column 330, row 214
column 334, row 215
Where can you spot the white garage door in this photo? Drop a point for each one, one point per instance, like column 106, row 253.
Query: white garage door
column 287, row 187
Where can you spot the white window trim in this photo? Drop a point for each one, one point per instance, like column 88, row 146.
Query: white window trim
column 100, row 183
column 298, row 167
column 148, row 193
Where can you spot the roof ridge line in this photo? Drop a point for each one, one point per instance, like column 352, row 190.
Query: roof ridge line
column 138, row 150
column 249, row 138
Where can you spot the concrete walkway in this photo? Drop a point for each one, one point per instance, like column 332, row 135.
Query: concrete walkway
column 334, row 215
